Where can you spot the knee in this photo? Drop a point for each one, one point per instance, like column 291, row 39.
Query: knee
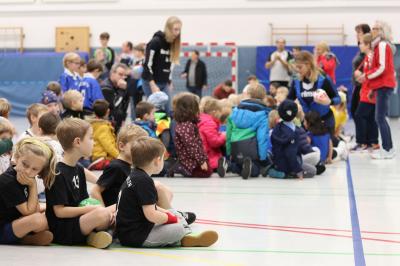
column 38, row 221
column 102, row 215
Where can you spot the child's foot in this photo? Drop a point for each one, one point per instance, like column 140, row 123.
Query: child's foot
column 38, row 239
column 204, row 239
column 100, row 239
column 190, row 217
column 246, row 168
column 276, row 174
column 222, row 167
column 320, row 168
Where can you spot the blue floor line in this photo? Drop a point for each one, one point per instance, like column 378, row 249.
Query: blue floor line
column 359, row 258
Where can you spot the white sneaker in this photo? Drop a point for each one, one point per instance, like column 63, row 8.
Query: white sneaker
column 383, row 154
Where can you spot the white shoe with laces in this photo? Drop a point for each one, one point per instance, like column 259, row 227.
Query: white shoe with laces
column 383, row 154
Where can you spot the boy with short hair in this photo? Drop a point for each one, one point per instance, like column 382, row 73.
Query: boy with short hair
column 114, row 175
column 105, row 147
column 33, row 113
column 108, row 51
column 145, row 117
column 89, row 86
column 247, row 137
column 70, row 223
column 73, row 104
column 223, row 90
column 140, row 222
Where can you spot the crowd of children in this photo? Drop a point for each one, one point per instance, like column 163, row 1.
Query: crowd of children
column 281, row 132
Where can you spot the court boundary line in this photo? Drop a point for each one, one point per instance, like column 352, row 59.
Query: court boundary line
column 359, row 257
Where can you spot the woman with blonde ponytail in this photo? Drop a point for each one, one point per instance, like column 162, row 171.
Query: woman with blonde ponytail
column 161, row 52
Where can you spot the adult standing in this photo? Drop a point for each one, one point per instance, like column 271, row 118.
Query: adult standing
column 278, row 64
column 381, row 79
column 115, row 93
column 196, row 74
column 358, row 65
column 161, row 52
column 326, row 60
column 305, row 87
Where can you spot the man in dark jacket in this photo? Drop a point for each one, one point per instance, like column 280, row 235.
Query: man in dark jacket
column 115, row 93
column 196, row 74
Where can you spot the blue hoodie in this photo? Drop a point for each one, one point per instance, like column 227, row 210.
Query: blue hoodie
column 253, row 114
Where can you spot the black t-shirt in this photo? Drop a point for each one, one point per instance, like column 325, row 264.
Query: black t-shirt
column 132, row 226
column 69, row 189
column 12, row 193
column 114, row 175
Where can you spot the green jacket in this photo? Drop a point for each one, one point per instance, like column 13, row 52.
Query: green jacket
column 234, row 134
column 5, row 146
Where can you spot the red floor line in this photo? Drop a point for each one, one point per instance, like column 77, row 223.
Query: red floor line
column 297, row 227
column 296, row 231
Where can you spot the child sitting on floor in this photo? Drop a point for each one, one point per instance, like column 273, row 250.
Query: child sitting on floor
column 140, row 222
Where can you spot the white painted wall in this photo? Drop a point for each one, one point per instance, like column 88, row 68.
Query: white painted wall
column 242, row 21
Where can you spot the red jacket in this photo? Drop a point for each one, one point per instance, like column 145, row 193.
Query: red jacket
column 212, row 139
column 220, row 93
column 328, row 63
column 382, row 73
column 189, row 146
column 365, row 88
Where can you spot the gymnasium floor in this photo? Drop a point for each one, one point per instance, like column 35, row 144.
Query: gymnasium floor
column 263, row 221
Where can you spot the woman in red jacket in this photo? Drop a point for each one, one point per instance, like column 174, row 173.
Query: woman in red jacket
column 381, row 79
column 209, row 124
column 365, row 113
column 326, row 60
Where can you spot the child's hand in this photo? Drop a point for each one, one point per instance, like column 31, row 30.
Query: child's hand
column 204, row 166
column 371, row 95
column 25, row 180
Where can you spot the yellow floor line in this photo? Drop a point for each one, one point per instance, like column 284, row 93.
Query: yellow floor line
column 178, row 257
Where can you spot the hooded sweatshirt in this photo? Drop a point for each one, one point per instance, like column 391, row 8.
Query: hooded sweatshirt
column 157, row 65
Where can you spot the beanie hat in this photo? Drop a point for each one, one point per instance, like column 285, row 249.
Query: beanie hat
column 158, row 99
column 287, row 110
column 49, row 97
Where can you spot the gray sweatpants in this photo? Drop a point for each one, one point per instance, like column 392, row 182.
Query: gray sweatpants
column 168, row 234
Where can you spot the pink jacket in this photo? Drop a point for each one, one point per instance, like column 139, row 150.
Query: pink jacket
column 213, row 140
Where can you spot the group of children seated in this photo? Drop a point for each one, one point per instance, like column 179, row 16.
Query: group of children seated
column 249, row 134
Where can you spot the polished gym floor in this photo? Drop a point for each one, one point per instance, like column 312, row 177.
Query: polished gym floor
column 347, row 216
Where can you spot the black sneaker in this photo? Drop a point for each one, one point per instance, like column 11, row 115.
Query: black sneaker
column 246, row 168
column 320, row 168
column 190, row 217
column 222, row 167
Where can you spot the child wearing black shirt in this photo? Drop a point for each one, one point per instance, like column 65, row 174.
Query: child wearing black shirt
column 20, row 217
column 114, row 175
column 70, row 223
column 140, row 222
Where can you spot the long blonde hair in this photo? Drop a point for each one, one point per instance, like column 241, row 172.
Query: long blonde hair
column 305, row 57
column 39, row 148
column 175, row 42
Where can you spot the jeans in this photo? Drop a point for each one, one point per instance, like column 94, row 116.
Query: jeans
column 255, row 168
column 365, row 122
column 381, row 109
column 163, row 87
column 195, row 90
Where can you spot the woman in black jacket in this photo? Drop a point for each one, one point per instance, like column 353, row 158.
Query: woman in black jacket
column 161, row 52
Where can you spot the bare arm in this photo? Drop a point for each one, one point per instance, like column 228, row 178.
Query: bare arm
column 96, row 193
column 269, row 64
column 69, row 212
column 154, row 215
column 90, row 176
column 32, row 204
